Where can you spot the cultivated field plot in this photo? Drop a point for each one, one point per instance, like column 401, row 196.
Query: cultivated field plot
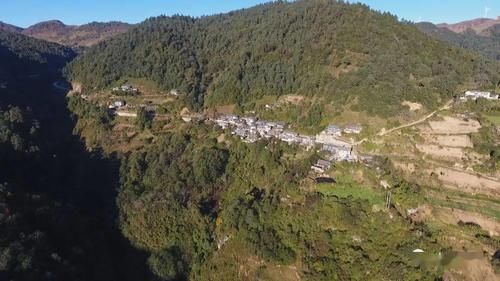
column 467, row 182
column 451, row 125
column 455, row 216
column 463, row 141
column 449, row 153
column 409, row 168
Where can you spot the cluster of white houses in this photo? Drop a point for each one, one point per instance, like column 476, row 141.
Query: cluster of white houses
column 474, row 95
column 126, row 88
column 249, row 129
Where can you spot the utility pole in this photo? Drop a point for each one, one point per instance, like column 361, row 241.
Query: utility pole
column 388, row 196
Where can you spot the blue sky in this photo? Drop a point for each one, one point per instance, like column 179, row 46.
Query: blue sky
column 26, row 12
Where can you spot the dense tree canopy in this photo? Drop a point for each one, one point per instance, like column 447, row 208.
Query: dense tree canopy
column 187, row 200
column 340, row 52
column 25, row 56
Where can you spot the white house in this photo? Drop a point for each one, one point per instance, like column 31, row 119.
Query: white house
column 321, row 166
column 174, row 92
column 119, row 103
column 474, row 95
column 333, row 130
column 353, row 129
column 126, row 88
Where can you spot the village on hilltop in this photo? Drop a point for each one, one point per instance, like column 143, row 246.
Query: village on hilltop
column 331, row 142
column 249, row 129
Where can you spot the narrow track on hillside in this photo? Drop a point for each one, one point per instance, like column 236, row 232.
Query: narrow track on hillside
column 384, row 132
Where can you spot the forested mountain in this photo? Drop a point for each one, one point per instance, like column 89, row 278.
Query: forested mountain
column 192, row 202
column 177, row 199
column 56, row 218
column 70, row 35
column 340, row 53
column 486, row 42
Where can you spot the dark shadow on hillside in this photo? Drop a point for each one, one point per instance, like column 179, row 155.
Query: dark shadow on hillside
column 77, row 188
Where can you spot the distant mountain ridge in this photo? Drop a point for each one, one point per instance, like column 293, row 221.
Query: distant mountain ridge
column 477, row 25
column 479, row 35
column 10, row 28
column 70, row 35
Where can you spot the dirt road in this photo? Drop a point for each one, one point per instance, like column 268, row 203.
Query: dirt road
column 384, row 132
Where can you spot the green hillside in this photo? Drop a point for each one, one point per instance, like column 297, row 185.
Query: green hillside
column 341, row 54
column 175, row 200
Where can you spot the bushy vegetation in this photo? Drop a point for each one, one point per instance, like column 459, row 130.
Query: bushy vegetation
column 167, row 200
column 186, row 199
column 92, row 121
column 144, row 119
column 342, row 53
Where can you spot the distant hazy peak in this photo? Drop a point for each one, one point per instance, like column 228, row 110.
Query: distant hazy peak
column 48, row 23
column 70, row 35
column 478, row 25
column 10, row 28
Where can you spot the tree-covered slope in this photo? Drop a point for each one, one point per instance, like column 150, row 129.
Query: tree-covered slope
column 341, row 53
column 22, row 56
column 205, row 210
column 56, row 199
column 487, row 43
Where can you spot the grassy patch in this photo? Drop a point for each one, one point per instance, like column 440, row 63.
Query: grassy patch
column 370, row 146
column 484, row 210
column 495, row 119
column 351, row 191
